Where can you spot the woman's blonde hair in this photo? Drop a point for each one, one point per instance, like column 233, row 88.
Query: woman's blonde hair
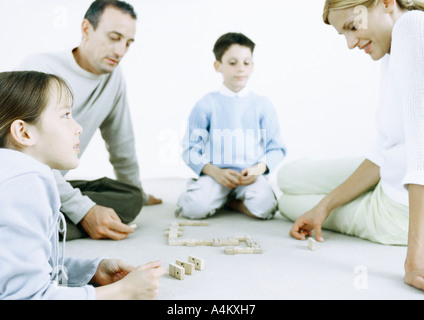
column 346, row 4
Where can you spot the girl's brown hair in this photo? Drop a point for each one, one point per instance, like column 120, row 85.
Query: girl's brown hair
column 345, row 4
column 24, row 96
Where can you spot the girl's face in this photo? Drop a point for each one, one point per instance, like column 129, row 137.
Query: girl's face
column 56, row 135
column 369, row 29
column 236, row 67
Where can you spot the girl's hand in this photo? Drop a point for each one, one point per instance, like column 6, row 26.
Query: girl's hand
column 141, row 283
column 110, row 271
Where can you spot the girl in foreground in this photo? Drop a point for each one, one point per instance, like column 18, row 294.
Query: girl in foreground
column 37, row 134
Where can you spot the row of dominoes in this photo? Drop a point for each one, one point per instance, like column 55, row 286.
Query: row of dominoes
column 252, row 247
column 180, row 268
column 174, row 232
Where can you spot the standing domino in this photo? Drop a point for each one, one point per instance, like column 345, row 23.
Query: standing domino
column 176, row 271
column 188, row 266
column 199, row 264
column 312, row 244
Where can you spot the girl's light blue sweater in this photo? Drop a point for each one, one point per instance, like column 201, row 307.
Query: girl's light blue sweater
column 31, row 264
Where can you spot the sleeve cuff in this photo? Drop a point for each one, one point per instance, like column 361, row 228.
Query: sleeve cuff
column 416, row 177
column 375, row 155
column 273, row 159
column 81, row 271
column 76, row 210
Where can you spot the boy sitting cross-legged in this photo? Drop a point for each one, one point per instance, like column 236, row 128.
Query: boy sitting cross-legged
column 233, row 141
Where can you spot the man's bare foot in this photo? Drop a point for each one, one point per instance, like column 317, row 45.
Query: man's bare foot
column 153, row 201
column 239, row 206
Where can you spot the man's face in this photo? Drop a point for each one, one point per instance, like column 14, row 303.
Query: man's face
column 109, row 42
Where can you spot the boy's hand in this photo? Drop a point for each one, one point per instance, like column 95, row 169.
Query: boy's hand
column 226, row 177
column 250, row 175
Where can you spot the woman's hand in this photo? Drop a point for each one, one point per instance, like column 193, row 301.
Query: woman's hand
column 310, row 221
column 366, row 176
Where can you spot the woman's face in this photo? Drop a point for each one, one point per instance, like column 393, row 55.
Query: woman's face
column 369, row 29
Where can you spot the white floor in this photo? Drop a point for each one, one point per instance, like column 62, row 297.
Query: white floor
column 341, row 268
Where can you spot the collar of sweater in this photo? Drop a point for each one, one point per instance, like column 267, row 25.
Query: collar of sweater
column 224, row 90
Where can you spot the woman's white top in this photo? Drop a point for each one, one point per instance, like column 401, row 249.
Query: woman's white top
column 399, row 150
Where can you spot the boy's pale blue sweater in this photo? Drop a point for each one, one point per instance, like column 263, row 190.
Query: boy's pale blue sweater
column 233, row 132
column 31, row 264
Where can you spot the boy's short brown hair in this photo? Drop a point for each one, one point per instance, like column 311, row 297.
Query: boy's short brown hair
column 229, row 39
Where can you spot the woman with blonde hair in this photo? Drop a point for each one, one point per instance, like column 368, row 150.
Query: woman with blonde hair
column 379, row 198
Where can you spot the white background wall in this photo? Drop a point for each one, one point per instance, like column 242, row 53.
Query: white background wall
column 325, row 95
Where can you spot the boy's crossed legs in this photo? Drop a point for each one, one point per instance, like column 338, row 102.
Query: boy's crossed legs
column 205, row 196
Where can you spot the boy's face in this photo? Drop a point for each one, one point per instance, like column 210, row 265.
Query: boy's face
column 236, row 67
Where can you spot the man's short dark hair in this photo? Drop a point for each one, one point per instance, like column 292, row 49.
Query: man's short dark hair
column 229, row 39
column 97, row 8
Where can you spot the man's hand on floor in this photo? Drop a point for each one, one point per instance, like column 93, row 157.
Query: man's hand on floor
column 103, row 223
